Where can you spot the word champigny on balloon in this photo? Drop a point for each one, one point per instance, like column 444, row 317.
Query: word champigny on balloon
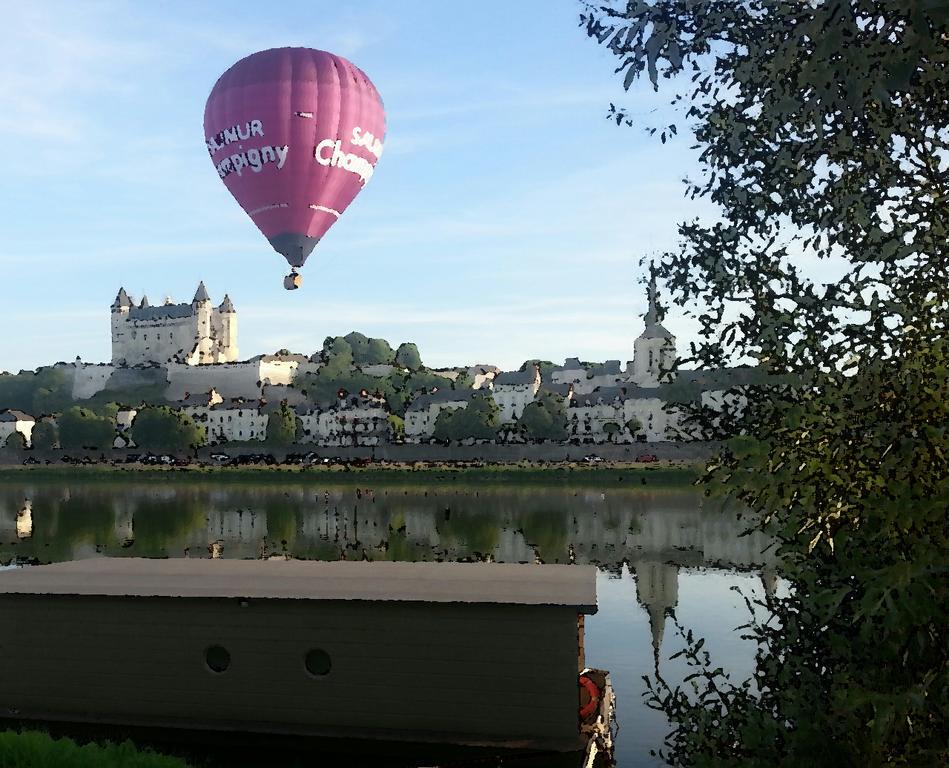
column 255, row 159
column 330, row 152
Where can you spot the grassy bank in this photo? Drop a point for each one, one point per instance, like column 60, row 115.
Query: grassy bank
column 31, row 749
column 389, row 474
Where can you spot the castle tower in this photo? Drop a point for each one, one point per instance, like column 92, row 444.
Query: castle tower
column 654, row 352
column 226, row 330
column 203, row 312
column 120, row 313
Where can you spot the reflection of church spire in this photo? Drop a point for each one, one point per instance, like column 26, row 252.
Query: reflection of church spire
column 657, row 590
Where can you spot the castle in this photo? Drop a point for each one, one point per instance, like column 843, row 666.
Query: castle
column 193, row 334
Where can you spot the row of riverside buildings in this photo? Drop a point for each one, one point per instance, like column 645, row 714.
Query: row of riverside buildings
column 189, row 351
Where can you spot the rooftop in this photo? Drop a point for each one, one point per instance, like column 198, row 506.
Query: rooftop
column 15, row 415
column 479, row 583
column 514, row 378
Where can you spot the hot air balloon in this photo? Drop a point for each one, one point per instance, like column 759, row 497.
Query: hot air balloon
column 295, row 134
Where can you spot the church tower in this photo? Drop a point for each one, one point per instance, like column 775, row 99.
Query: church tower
column 654, row 352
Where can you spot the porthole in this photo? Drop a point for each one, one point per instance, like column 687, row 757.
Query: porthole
column 317, row 662
column 217, row 658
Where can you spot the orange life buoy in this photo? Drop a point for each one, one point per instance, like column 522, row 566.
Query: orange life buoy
column 591, row 705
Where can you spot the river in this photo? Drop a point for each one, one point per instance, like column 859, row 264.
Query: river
column 661, row 552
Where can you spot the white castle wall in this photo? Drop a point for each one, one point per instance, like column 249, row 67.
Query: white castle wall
column 229, row 379
column 88, row 379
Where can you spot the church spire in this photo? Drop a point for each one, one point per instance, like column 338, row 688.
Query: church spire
column 652, row 314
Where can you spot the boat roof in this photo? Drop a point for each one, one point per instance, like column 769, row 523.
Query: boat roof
column 475, row 583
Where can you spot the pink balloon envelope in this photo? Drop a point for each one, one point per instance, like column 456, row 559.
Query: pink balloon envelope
column 295, row 135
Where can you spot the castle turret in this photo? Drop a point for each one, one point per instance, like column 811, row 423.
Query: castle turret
column 226, row 330
column 120, row 313
column 144, row 303
column 203, row 317
column 122, row 301
column 654, row 352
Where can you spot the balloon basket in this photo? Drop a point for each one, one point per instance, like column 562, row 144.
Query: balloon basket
column 292, row 281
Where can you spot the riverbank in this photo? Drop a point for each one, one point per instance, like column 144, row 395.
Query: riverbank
column 601, row 474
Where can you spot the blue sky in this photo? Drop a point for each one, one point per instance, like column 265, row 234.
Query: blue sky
column 505, row 219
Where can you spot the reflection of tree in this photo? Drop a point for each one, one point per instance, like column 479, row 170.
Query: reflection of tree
column 546, row 531
column 164, row 525
column 473, row 532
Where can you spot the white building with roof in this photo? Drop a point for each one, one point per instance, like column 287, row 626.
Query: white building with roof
column 422, row 412
column 513, row 390
column 360, row 419
column 194, row 334
column 226, row 421
column 13, row 421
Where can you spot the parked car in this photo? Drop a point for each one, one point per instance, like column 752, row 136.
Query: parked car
column 647, row 457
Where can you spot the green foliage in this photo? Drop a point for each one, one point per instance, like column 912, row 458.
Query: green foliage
column 634, row 425
column 480, row 420
column 48, row 390
column 407, row 356
column 45, row 436
column 282, row 426
column 337, row 355
column 821, row 128
column 15, row 442
column 396, row 426
column 545, row 418
column 80, row 428
column 163, row 429
column 31, row 749
column 368, row 351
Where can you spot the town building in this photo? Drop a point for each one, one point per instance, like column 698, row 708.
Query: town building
column 422, row 412
column 360, row 419
column 192, row 334
column 513, row 390
column 225, row 421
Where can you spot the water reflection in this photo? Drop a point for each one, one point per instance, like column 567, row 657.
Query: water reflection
column 652, row 547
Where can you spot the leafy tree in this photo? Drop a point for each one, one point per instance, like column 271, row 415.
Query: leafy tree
column 282, row 426
column 80, row 428
column 369, row 351
column 164, row 429
column 396, row 426
column 611, row 428
column 545, row 418
column 45, row 436
column 634, row 425
column 337, row 355
column 479, row 420
column 15, row 442
column 47, row 390
column 407, row 356
column 822, row 130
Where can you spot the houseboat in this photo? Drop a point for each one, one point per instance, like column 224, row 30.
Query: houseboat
column 485, row 655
